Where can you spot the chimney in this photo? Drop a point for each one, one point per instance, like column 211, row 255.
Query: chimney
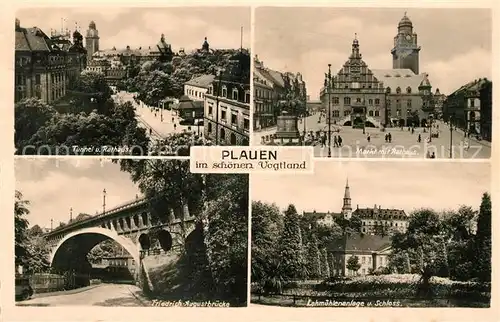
column 375, row 206
column 357, row 206
column 379, row 207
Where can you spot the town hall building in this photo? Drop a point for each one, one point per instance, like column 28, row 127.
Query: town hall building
column 360, row 96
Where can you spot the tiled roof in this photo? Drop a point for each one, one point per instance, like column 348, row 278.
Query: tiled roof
column 32, row 39
column 203, row 81
column 360, row 242
column 380, row 213
column 475, row 85
column 320, row 215
column 402, row 78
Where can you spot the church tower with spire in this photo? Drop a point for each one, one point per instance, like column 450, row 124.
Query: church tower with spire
column 92, row 40
column 405, row 54
column 346, row 206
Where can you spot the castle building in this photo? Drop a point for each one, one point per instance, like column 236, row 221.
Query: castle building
column 45, row 66
column 374, row 221
column 227, row 103
column 360, row 96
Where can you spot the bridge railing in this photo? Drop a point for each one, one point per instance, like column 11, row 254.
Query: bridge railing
column 114, row 210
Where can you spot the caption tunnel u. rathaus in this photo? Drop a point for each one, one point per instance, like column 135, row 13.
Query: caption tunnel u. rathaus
column 131, row 227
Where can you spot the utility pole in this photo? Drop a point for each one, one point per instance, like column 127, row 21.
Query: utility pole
column 71, row 214
column 329, row 111
column 451, row 137
column 51, row 224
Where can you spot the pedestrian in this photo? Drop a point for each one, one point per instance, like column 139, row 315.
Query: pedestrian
column 340, row 141
column 433, row 156
column 386, row 138
column 334, row 141
column 175, row 126
column 172, row 119
column 412, row 130
column 368, row 138
column 466, row 145
column 150, row 131
column 389, row 137
column 419, row 138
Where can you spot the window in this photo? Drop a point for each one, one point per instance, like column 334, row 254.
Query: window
column 472, row 102
column 346, row 112
column 370, row 113
column 408, row 90
column 377, row 101
column 358, row 100
column 234, row 119
column 347, row 101
column 209, row 127
column 363, row 271
column 235, row 94
column 398, row 112
column 388, row 90
column 377, row 113
column 223, row 115
column 247, row 97
column 246, row 124
column 210, row 89
column 223, row 134
column 224, row 91
column 370, row 101
column 398, row 90
column 37, row 79
column 336, row 113
column 408, row 103
column 408, row 111
column 363, row 259
column 335, row 101
column 210, row 110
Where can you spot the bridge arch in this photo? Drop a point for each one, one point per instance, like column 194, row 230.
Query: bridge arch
column 94, row 236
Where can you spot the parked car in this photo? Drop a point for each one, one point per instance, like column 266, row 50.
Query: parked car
column 23, row 288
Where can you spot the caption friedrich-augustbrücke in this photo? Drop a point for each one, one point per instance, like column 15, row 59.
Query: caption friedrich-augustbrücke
column 266, row 160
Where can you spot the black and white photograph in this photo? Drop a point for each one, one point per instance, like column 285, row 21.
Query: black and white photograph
column 374, row 82
column 131, row 81
column 137, row 233
column 373, row 234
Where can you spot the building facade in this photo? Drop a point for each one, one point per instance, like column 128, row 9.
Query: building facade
column 374, row 221
column 45, row 66
column 470, row 108
column 197, row 87
column 92, row 40
column 227, row 104
column 372, row 252
column 360, row 96
column 270, row 87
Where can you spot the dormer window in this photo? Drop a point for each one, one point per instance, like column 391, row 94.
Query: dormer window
column 408, row 90
column 210, row 89
column 398, row 90
column 224, row 91
column 235, row 94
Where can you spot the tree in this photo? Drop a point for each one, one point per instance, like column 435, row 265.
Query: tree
column 91, row 92
column 353, row 264
column 483, row 240
column 325, row 266
column 226, row 236
column 313, row 258
column 35, row 231
column 30, row 114
column 38, row 259
column 21, row 225
column 82, row 216
column 290, row 250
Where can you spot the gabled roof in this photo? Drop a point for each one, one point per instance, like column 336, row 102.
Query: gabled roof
column 402, row 78
column 360, row 243
column 203, row 81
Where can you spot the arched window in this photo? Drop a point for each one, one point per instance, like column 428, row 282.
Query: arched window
column 209, row 127
column 224, row 91
column 398, row 90
column 370, row 113
column 377, row 101
column 222, row 134
column 233, row 139
column 370, row 101
column 388, row 90
column 235, row 94
column 377, row 113
column 347, row 101
column 408, row 90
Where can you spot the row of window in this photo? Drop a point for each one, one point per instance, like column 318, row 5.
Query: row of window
column 266, row 94
column 222, row 135
column 191, row 92
column 347, row 101
column 336, row 113
column 234, row 94
column 233, row 120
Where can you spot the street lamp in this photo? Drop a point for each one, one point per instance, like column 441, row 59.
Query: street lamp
column 104, row 201
column 329, row 111
column 451, row 135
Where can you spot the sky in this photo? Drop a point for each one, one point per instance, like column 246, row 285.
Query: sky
column 398, row 185
column 54, row 186
column 184, row 27
column 455, row 43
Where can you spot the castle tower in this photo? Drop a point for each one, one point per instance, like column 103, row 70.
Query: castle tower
column 346, row 207
column 91, row 41
column 405, row 54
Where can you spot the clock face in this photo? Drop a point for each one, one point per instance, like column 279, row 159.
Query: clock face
column 408, row 37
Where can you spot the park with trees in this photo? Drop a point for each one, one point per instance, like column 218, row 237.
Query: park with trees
column 443, row 259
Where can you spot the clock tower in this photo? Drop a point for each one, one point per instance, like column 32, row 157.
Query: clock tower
column 406, row 50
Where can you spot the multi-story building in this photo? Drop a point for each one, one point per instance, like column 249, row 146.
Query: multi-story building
column 45, row 66
column 197, row 87
column 372, row 252
column 271, row 86
column 360, row 96
column 374, row 221
column 470, row 108
column 227, row 103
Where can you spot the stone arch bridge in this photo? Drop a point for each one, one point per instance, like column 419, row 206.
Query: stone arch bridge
column 130, row 225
